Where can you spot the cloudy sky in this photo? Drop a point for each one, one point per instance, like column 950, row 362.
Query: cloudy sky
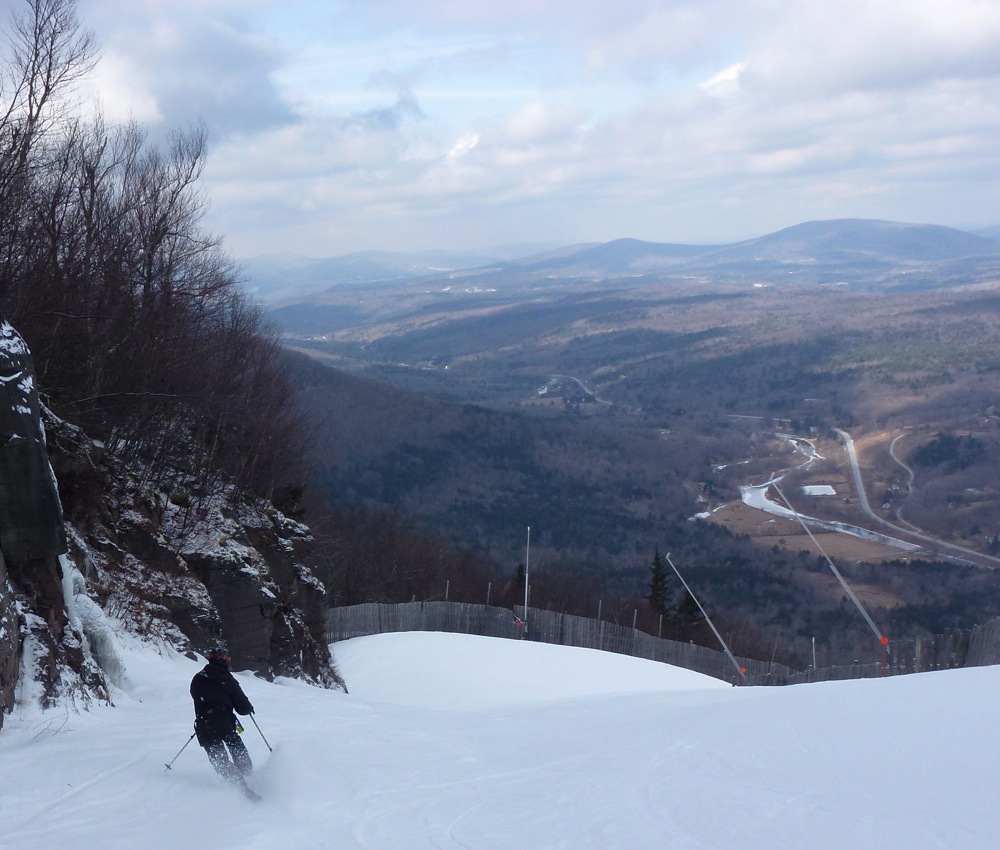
column 345, row 125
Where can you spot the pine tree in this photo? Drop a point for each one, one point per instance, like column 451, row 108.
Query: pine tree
column 688, row 613
column 659, row 586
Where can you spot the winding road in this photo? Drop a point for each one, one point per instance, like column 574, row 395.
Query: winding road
column 904, row 536
column 755, row 496
column 940, row 547
column 583, row 387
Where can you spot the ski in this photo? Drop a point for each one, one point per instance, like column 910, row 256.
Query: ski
column 246, row 790
column 251, row 795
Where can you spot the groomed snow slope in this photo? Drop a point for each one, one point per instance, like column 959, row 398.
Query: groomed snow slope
column 451, row 741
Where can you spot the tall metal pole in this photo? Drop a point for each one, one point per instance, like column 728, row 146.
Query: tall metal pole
column 527, row 556
column 739, row 669
column 882, row 637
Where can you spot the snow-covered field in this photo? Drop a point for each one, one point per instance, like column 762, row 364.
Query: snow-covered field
column 450, row 741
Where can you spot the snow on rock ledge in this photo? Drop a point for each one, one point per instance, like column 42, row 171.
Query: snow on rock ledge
column 191, row 570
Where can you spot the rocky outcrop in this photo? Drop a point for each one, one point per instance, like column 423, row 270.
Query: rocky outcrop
column 31, row 523
column 193, row 569
column 10, row 643
column 35, row 632
column 89, row 547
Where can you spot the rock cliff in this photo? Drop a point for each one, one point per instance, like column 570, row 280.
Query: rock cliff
column 91, row 548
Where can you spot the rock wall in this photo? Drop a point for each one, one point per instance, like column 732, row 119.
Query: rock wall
column 88, row 546
column 10, row 643
column 37, row 641
column 192, row 569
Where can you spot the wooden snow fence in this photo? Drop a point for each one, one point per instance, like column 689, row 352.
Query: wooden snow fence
column 956, row 648
column 571, row 630
column 976, row 647
column 984, row 645
column 543, row 626
column 372, row 618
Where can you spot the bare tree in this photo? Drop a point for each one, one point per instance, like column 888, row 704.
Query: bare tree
column 140, row 329
column 49, row 53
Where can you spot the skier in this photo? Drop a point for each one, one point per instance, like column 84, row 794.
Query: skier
column 217, row 695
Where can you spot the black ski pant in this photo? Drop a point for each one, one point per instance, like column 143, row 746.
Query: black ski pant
column 240, row 766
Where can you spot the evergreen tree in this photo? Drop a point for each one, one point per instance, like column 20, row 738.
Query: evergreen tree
column 659, row 586
column 688, row 613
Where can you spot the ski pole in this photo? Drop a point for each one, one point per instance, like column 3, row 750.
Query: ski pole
column 270, row 749
column 181, row 750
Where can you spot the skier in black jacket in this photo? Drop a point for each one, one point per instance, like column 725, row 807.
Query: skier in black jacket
column 217, row 695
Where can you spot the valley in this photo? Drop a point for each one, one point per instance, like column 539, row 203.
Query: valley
column 605, row 411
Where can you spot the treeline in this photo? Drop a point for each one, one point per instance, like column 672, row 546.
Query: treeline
column 367, row 554
column 140, row 330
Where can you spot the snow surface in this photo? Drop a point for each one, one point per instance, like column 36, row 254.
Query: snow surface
column 452, row 741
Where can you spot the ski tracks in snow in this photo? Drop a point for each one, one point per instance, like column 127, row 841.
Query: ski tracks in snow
column 36, row 818
column 438, row 811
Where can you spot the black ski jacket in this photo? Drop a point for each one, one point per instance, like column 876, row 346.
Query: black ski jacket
column 216, row 695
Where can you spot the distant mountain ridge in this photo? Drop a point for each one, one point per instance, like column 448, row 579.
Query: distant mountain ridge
column 833, row 246
column 273, row 277
column 866, row 237
column 836, row 242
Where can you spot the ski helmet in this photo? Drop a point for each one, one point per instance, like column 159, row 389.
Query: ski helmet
column 219, row 656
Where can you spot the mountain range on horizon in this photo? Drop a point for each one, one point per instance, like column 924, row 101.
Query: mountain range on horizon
column 835, row 243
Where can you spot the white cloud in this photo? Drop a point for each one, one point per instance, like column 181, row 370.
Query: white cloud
column 726, row 82
column 121, row 97
column 187, row 62
column 825, row 48
column 360, row 123
column 464, row 144
column 537, row 122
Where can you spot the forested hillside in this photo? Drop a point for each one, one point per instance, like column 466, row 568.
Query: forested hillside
column 609, row 410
